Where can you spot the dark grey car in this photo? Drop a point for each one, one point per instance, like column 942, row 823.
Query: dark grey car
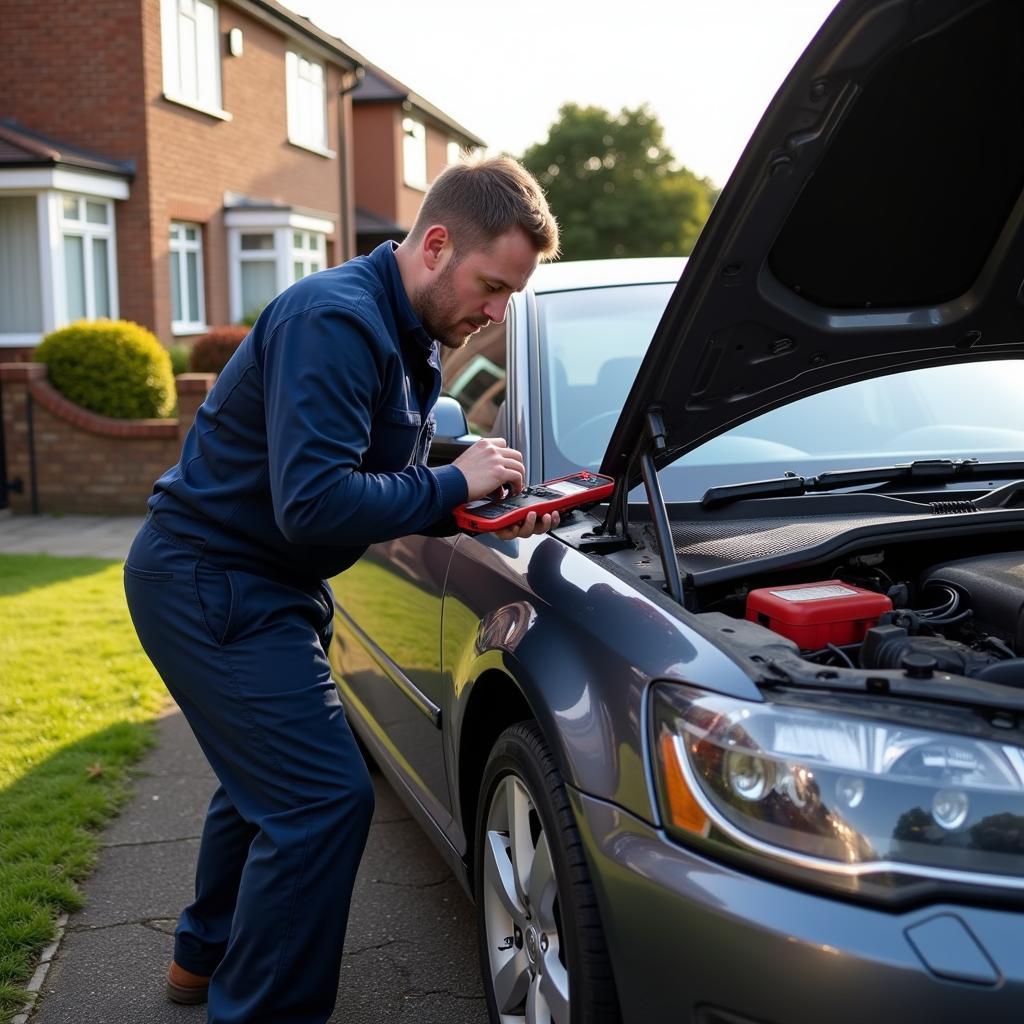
column 745, row 744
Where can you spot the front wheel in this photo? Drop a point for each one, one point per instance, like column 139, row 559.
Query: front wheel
column 542, row 950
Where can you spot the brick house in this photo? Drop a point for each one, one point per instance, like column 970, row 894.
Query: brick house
column 173, row 162
column 402, row 142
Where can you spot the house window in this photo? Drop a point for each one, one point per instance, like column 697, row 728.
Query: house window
column 309, row 253
column 87, row 244
column 414, row 152
column 191, row 45
column 454, row 152
column 268, row 250
column 258, row 272
column 188, row 314
column 307, row 101
column 21, row 296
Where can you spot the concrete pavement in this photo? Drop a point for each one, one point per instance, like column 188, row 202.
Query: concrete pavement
column 93, row 536
column 410, row 951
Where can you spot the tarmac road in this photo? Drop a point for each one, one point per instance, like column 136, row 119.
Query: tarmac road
column 410, row 951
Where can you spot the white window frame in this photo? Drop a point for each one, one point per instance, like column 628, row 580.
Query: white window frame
column 414, row 132
column 184, row 85
column 312, row 255
column 306, row 102
column 80, row 227
column 454, row 152
column 179, row 247
column 281, row 224
column 48, row 185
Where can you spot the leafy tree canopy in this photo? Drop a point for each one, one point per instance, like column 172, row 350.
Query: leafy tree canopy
column 615, row 186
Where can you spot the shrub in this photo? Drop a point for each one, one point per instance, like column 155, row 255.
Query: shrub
column 179, row 358
column 212, row 351
column 113, row 367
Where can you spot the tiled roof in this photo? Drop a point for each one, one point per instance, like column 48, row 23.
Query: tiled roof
column 304, row 26
column 378, row 86
column 21, row 147
column 368, row 223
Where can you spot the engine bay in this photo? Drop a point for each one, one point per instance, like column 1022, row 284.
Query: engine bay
column 903, row 585
column 963, row 616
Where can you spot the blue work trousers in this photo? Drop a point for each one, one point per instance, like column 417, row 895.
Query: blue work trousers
column 244, row 657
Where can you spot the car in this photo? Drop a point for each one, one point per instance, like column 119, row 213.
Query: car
column 743, row 743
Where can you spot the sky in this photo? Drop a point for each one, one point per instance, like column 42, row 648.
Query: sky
column 707, row 68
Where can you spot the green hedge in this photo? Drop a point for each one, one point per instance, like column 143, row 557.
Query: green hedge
column 113, row 367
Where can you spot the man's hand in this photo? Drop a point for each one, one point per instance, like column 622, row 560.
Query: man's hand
column 488, row 465
column 530, row 526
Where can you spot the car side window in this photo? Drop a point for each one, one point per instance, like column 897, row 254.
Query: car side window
column 475, row 377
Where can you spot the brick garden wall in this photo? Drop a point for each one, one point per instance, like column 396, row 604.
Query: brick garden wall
column 84, row 462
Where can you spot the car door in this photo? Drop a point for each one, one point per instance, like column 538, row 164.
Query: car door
column 388, row 640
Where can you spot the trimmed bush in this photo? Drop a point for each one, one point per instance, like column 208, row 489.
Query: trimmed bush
column 179, row 358
column 212, row 351
column 113, row 367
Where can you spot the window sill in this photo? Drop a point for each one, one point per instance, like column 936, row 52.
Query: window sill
column 180, row 330
column 415, row 185
column 220, row 115
column 21, row 340
column 330, row 154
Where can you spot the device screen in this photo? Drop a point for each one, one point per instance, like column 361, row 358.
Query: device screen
column 565, row 487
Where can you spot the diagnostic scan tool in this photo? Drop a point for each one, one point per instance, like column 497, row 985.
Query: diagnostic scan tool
column 566, row 492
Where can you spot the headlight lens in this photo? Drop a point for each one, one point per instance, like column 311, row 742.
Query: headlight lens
column 847, row 796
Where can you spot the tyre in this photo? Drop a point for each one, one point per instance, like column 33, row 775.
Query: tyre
column 543, row 956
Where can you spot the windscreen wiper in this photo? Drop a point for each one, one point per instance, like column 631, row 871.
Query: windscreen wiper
column 921, row 471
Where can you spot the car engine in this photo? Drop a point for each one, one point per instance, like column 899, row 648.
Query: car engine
column 964, row 616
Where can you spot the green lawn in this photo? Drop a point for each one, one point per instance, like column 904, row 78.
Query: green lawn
column 77, row 698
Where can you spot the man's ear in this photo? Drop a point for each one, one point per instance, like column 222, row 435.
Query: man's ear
column 436, row 246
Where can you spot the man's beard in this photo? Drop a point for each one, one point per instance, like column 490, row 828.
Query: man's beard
column 438, row 310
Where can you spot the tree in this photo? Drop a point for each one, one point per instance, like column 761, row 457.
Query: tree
column 615, row 186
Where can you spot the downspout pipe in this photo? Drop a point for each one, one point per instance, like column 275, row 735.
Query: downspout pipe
column 356, row 77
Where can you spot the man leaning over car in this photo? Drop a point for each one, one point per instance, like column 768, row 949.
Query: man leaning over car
column 311, row 446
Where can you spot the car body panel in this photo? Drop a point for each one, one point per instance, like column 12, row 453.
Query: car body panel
column 389, row 654
column 582, row 645
column 765, row 952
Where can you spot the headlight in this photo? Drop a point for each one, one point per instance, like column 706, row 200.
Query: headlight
column 870, row 805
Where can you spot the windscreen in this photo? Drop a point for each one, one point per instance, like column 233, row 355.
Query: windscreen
column 592, row 343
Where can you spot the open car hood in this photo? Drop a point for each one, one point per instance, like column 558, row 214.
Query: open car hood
column 873, row 224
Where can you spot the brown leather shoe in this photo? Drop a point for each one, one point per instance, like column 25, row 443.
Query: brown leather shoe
column 185, row 987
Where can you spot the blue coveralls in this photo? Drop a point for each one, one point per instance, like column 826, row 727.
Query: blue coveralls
column 309, row 447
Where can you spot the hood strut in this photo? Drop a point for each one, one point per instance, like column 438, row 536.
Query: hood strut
column 654, row 441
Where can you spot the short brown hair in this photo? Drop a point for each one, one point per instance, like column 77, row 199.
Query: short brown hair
column 478, row 202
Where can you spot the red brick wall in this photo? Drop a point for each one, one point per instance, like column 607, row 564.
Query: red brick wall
column 195, row 158
column 377, row 160
column 87, row 463
column 92, row 74
column 75, row 71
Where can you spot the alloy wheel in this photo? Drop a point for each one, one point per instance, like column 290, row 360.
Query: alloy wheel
column 522, row 911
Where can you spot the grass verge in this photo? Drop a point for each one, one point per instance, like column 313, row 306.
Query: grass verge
column 77, row 699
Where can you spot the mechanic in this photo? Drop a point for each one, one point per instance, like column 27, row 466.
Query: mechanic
column 310, row 447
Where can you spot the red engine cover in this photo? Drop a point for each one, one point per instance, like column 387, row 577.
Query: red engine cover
column 816, row 614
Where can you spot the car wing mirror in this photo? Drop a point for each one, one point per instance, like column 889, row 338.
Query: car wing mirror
column 452, row 436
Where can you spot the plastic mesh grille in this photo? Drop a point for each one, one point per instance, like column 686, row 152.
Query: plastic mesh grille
column 709, row 545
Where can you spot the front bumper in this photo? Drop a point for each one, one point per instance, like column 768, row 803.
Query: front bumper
column 694, row 940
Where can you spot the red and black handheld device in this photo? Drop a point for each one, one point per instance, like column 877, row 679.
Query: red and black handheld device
column 565, row 492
